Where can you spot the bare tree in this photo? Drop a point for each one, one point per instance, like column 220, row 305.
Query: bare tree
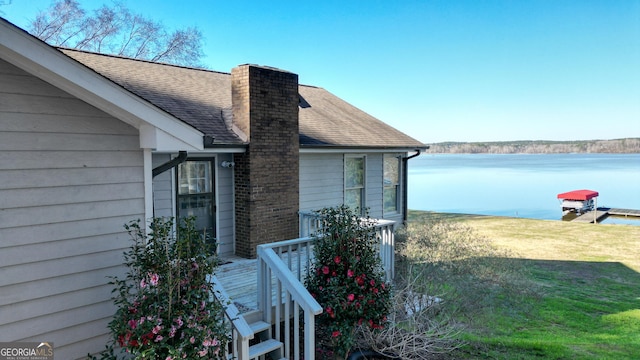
column 116, row 30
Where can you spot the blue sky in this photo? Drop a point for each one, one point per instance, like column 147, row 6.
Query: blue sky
column 449, row 70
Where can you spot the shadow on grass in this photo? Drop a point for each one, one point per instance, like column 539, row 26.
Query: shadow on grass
column 584, row 310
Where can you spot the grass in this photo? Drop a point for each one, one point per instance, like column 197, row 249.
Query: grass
column 587, row 299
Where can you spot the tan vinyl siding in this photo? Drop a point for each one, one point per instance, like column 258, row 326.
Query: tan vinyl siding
column 321, row 181
column 163, row 198
column 225, row 207
column 374, row 184
column 70, row 177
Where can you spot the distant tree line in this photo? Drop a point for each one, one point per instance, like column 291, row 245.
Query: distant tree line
column 616, row 146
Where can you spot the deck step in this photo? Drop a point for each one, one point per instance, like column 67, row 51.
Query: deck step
column 264, row 347
column 252, row 316
column 259, row 326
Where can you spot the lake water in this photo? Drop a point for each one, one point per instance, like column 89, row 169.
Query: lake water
column 521, row 185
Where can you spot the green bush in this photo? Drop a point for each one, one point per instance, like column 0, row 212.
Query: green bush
column 165, row 304
column 347, row 278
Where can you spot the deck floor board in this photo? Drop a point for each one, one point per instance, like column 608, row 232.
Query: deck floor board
column 239, row 277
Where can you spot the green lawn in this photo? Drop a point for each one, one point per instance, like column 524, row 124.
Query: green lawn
column 587, row 299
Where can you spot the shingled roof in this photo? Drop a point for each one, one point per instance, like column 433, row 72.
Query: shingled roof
column 202, row 99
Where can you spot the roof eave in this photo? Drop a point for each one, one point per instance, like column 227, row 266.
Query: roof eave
column 158, row 129
column 357, row 148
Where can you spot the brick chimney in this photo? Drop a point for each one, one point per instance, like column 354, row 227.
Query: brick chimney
column 265, row 106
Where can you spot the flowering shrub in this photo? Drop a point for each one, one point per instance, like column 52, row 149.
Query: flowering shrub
column 166, row 308
column 347, row 277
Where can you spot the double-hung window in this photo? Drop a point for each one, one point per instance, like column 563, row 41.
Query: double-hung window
column 354, row 183
column 196, row 196
column 391, row 183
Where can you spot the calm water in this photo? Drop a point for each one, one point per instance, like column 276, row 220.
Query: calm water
column 521, row 185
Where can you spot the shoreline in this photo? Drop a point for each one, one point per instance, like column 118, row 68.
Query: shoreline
column 463, row 216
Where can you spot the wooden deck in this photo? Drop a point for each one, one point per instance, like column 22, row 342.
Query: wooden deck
column 602, row 213
column 239, row 278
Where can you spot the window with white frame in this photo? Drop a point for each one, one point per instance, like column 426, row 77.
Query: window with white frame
column 354, row 182
column 196, row 196
column 391, row 183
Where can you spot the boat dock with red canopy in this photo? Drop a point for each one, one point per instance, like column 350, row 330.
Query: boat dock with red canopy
column 579, row 201
column 578, row 195
column 583, row 203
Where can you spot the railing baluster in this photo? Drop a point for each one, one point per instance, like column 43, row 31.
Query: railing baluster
column 287, row 325
column 296, row 332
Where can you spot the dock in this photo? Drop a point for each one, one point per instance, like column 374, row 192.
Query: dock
column 601, row 213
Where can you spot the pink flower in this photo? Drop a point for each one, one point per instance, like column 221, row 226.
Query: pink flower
column 192, row 340
column 350, row 273
column 133, row 324
column 168, row 358
column 156, row 329
column 337, row 259
column 335, row 333
column 158, row 338
column 351, row 297
column 329, row 311
column 143, row 283
column 154, row 279
column 179, row 322
column 202, row 352
column 325, row 270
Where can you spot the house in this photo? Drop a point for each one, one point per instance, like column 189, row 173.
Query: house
column 89, row 142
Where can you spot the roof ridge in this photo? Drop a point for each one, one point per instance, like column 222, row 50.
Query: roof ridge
column 140, row 60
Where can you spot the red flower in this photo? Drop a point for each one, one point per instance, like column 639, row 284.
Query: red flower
column 350, row 273
column 337, row 259
column 335, row 333
column 325, row 270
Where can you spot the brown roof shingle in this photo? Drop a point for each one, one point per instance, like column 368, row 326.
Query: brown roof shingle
column 202, row 99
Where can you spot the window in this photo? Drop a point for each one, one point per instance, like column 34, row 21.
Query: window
column 391, row 183
column 354, row 183
column 196, row 196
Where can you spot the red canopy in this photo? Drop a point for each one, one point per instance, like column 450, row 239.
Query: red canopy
column 578, row 195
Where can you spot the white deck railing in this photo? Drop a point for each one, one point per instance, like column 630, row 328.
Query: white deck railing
column 241, row 333
column 282, row 297
column 311, row 224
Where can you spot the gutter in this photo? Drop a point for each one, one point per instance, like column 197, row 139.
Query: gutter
column 182, row 156
column 405, row 183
